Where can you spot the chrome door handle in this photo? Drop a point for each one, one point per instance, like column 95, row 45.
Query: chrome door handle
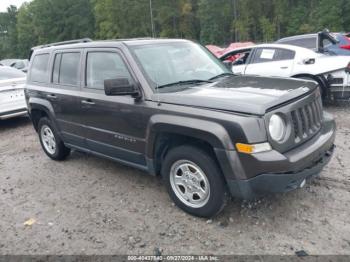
column 87, row 102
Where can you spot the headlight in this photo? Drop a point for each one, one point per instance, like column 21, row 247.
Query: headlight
column 277, row 128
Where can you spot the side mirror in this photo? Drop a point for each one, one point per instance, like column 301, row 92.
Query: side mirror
column 120, row 87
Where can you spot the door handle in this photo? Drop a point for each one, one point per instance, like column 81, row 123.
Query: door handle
column 87, row 102
column 51, row 96
column 284, row 67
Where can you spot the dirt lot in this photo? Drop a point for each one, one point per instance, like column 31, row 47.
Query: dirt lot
column 88, row 205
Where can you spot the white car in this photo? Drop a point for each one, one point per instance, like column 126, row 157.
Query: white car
column 331, row 72
column 12, row 100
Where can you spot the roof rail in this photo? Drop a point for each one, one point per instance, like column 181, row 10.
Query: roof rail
column 83, row 40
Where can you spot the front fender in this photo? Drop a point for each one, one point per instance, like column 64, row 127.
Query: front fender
column 211, row 132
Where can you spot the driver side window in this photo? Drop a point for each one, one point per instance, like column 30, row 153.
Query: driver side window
column 101, row 66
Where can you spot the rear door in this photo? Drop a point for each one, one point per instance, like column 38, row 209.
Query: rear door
column 268, row 61
column 65, row 88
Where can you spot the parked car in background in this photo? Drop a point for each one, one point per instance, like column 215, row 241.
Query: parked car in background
column 12, row 100
column 20, row 64
column 218, row 51
column 330, row 72
column 322, row 42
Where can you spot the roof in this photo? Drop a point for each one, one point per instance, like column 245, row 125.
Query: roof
column 297, row 37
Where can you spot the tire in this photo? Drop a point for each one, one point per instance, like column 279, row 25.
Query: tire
column 194, row 181
column 50, row 141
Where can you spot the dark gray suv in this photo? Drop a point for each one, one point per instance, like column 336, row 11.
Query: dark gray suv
column 170, row 108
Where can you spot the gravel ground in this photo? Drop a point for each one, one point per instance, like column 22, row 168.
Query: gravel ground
column 88, row 205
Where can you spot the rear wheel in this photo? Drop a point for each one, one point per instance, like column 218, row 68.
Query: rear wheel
column 50, row 141
column 194, row 181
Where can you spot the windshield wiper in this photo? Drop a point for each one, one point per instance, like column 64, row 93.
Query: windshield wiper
column 186, row 82
column 221, row 75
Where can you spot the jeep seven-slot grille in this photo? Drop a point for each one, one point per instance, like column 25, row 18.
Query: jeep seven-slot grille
column 307, row 120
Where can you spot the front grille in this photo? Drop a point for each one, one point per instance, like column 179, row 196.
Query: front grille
column 307, row 120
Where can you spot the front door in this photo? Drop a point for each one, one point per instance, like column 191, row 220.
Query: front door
column 115, row 126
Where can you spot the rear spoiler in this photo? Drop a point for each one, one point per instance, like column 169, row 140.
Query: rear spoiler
column 83, row 40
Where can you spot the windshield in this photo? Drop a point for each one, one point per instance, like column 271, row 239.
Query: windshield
column 170, row 63
column 10, row 73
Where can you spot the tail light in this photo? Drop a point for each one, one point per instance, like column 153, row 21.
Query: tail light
column 347, row 47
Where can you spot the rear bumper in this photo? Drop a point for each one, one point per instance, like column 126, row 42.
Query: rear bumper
column 249, row 176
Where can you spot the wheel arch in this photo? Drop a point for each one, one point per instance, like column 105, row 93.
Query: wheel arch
column 166, row 132
column 320, row 79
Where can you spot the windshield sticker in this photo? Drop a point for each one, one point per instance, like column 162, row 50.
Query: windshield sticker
column 267, row 54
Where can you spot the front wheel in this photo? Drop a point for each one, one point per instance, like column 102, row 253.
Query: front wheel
column 194, row 181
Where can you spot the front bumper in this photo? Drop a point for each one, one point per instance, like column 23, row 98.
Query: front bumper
column 272, row 172
column 276, row 183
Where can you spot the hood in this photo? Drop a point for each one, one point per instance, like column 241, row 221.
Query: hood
column 244, row 94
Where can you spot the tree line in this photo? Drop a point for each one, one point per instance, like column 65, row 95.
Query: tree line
column 209, row 21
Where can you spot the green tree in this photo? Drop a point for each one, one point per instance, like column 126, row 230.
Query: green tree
column 8, row 33
column 122, row 18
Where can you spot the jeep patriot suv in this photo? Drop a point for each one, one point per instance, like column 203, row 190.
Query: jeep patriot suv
column 170, row 108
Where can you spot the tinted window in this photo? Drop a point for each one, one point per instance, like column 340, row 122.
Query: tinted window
column 104, row 65
column 10, row 73
column 284, row 54
column 39, row 68
column 263, row 55
column 69, row 68
column 309, row 42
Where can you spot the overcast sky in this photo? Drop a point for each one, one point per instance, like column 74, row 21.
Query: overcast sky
column 5, row 3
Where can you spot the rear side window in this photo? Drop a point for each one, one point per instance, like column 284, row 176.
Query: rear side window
column 284, row 54
column 39, row 68
column 101, row 66
column 69, row 69
column 263, row 55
